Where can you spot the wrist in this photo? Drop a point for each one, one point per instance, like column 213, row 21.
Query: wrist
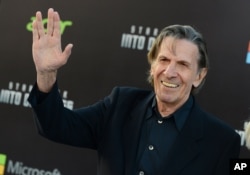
column 46, row 80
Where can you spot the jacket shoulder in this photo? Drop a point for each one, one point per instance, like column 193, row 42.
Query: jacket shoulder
column 130, row 91
column 216, row 125
column 128, row 96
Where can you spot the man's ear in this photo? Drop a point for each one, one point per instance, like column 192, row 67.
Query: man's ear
column 151, row 70
column 200, row 76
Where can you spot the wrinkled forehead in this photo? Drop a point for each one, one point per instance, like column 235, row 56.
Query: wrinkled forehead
column 169, row 43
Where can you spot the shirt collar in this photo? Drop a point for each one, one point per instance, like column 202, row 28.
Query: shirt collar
column 180, row 115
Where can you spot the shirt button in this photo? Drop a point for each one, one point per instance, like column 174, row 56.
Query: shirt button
column 160, row 121
column 151, row 147
column 141, row 173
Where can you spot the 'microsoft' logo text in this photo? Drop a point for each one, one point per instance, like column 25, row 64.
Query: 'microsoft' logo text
column 19, row 168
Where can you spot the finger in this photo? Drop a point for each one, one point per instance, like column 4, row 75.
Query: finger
column 50, row 24
column 35, row 31
column 57, row 27
column 39, row 24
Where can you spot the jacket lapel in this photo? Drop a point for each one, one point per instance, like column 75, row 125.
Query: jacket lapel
column 132, row 132
column 185, row 148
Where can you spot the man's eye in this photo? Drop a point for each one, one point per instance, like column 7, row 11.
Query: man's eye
column 185, row 64
column 163, row 59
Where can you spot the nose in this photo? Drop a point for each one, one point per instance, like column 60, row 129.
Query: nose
column 171, row 70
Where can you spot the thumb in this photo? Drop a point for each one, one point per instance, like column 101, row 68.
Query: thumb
column 67, row 51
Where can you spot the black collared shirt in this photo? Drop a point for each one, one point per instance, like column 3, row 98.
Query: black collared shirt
column 158, row 135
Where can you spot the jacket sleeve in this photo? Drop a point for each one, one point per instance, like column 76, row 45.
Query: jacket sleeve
column 79, row 127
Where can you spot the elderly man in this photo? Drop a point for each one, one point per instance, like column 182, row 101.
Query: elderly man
column 137, row 131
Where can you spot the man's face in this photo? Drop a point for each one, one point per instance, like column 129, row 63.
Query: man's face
column 175, row 71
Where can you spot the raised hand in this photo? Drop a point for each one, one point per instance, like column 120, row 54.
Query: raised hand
column 46, row 49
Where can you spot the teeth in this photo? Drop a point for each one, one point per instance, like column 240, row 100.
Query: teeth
column 169, row 84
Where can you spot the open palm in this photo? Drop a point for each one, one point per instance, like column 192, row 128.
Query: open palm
column 46, row 49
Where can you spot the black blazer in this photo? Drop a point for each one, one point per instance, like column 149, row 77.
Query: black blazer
column 112, row 126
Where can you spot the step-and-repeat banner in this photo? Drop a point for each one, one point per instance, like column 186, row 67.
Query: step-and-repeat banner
column 111, row 39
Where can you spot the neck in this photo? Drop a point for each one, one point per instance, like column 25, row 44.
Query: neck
column 166, row 109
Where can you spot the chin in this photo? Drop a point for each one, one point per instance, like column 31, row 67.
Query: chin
column 167, row 99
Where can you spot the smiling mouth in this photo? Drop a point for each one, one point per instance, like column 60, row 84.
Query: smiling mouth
column 169, row 85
